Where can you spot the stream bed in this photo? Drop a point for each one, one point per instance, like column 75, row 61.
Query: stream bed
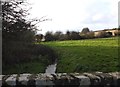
column 51, row 69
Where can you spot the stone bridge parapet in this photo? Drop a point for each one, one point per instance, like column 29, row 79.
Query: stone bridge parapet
column 97, row 79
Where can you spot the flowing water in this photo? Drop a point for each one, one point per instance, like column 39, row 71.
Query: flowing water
column 51, row 69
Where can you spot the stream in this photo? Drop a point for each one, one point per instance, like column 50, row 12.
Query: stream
column 51, row 69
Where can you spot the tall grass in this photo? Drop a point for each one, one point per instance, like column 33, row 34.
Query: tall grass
column 24, row 57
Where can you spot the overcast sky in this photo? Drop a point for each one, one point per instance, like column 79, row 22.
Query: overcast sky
column 75, row 14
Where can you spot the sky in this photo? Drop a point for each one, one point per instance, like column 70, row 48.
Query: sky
column 74, row 15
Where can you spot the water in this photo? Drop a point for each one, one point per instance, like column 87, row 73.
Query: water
column 51, row 69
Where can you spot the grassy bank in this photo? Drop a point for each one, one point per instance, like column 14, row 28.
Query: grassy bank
column 32, row 58
column 86, row 55
column 29, row 67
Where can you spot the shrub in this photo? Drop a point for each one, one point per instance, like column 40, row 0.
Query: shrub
column 74, row 35
column 88, row 35
column 21, row 52
column 49, row 36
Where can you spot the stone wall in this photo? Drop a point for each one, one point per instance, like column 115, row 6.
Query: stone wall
column 97, row 79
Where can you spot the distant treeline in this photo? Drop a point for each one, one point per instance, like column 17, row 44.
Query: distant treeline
column 73, row 35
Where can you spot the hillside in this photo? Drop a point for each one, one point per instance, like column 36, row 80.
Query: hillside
column 86, row 55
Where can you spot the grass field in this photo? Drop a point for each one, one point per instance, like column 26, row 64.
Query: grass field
column 87, row 55
column 76, row 56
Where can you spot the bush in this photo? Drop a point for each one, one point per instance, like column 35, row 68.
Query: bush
column 20, row 52
column 49, row 36
column 88, row 35
column 74, row 35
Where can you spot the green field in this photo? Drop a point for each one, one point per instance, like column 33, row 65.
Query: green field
column 76, row 56
column 87, row 55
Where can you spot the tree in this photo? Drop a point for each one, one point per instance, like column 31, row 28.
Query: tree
column 14, row 25
column 18, row 37
column 17, row 32
column 85, row 30
column 74, row 35
column 57, row 35
column 67, row 35
column 84, row 33
column 49, row 36
column 38, row 37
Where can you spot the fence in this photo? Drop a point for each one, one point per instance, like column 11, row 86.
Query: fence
column 98, row 79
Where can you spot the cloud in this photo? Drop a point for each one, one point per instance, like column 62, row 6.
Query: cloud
column 74, row 14
column 10, row 0
column 99, row 12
